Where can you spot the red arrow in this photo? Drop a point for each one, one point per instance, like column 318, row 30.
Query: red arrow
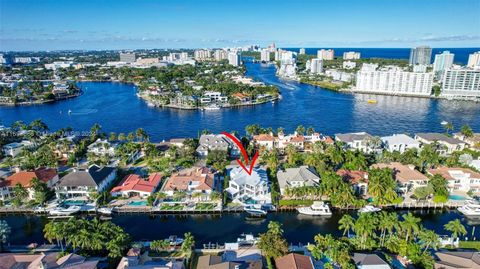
column 244, row 153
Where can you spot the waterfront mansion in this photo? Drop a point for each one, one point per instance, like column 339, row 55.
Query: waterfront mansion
column 244, row 188
column 82, row 183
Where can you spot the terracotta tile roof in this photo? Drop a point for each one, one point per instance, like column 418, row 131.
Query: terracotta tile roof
column 353, row 176
column 24, row 177
column 329, row 140
column 402, row 173
column 264, row 137
column 181, row 180
column 298, row 138
column 240, row 95
column 446, row 172
column 294, row 261
column 134, row 182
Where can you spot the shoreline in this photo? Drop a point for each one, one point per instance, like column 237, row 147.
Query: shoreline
column 42, row 102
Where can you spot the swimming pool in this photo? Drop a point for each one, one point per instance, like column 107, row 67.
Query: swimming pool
column 73, row 202
column 138, row 203
column 456, row 197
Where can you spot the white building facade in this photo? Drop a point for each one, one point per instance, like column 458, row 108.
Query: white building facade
column 394, row 81
column 461, row 83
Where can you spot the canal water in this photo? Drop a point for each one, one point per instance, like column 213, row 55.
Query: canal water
column 117, row 109
column 226, row 227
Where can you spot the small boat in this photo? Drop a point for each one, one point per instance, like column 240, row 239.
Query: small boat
column 62, row 211
column 212, row 107
column 255, row 211
column 104, row 211
column 444, row 122
column 368, row 209
column 69, row 111
column 247, row 239
column 318, row 208
column 371, row 101
column 174, row 240
column 471, row 208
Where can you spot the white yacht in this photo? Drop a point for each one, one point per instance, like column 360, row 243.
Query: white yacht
column 471, row 208
column 62, row 211
column 104, row 210
column 212, row 107
column 318, row 208
column 444, row 122
column 255, row 211
column 368, row 209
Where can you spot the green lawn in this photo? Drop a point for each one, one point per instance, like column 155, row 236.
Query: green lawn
column 470, row 244
column 205, row 206
column 171, row 207
column 295, row 202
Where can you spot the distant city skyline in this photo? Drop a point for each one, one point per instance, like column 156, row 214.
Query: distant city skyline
column 144, row 24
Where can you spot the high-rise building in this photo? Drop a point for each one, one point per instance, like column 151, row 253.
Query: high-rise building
column 265, row 55
column 5, row 59
column 202, row 55
column 234, row 58
column 220, row 55
column 316, row 66
column 474, row 60
column 461, row 83
column 127, row 57
column 302, row 51
column 272, row 47
column 325, row 54
column 393, row 81
column 442, row 61
column 351, row 55
column 420, row 55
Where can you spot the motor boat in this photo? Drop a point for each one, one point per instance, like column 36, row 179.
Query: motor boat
column 318, row 208
column 64, row 211
column 368, row 209
column 444, row 122
column 371, row 101
column 212, row 107
column 104, row 210
column 174, row 240
column 247, row 239
column 255, row 211
column 470, row 208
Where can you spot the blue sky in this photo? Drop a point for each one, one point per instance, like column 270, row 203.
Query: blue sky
column 129, row 24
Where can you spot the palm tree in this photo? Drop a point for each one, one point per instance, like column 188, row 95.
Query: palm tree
column 346, row 223
column 428, row 239
column 188, row 243
column 410, row 225
column 387, row 222
column 456, row 228
column 94, row 130
column 466, row 131
column 300, row 130
column 448, row 127
column 159, row 245
column 5, row 231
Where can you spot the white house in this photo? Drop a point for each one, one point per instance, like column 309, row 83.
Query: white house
column 13, row 149
column 399, row 142
column 447, row 144
column 459, row 179
column 84, row 183
column 302, row 176
column 407, row 178
column 210, row 142
column 102, row 148
column 244, row 188
column 361, row 141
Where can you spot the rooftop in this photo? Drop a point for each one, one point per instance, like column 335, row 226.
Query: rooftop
column 134, row 182
column 25, row 177
column 439, row 137
column 451, row 173
column 203, row 176
column 402, row 173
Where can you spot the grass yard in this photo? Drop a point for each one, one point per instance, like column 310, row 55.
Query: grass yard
column 205, row 206
column 171, row 207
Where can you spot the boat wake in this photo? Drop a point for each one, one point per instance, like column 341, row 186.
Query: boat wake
column 82, row 112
